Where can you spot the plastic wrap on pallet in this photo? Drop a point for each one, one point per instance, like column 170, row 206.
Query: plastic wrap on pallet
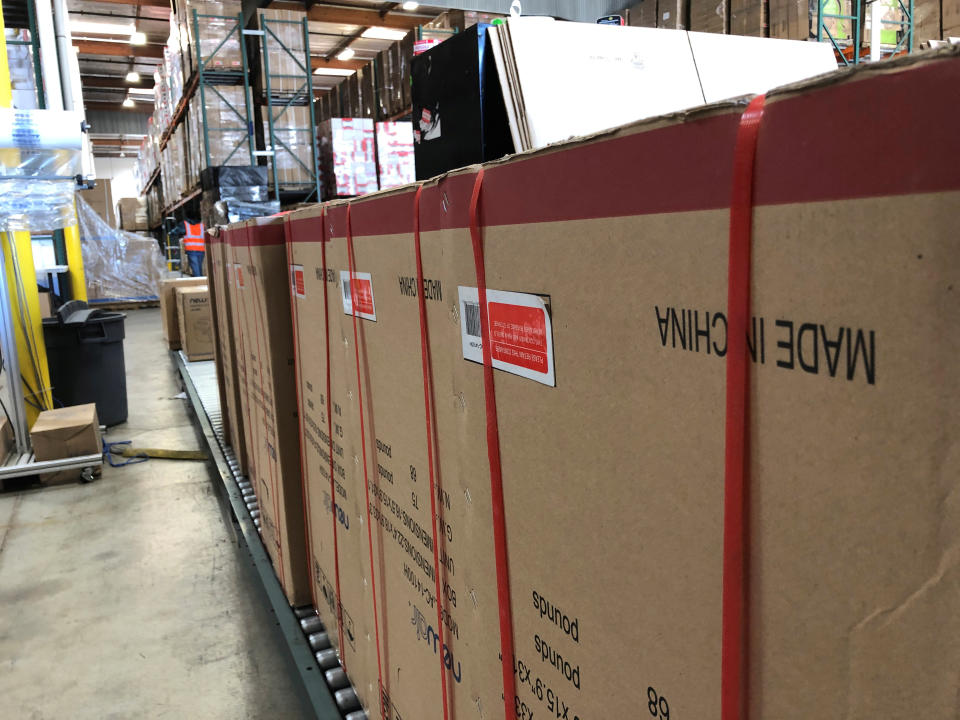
column 215, row 211
column 39, row 163
column 221, row 176
column 117, row 263
column 395, row 154
column 346, row 152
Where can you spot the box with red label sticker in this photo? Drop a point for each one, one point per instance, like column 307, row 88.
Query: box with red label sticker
column 582, row 495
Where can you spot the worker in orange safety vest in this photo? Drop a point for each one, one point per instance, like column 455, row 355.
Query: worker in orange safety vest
column 193, row 244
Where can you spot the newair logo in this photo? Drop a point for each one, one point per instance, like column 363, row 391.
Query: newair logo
column 814, row 348
column 426, row 633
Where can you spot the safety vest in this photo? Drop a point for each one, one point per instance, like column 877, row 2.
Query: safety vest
column 193, row 240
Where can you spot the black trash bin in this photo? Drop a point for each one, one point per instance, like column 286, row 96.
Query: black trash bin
column 85, row 356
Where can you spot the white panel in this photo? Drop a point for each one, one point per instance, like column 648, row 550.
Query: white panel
column 731, row 65
column 580, row 78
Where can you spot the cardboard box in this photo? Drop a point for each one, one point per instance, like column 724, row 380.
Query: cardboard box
column 790, row 20
column 168, row 307
column 66, row 432
column 221, row 285
column 7, row 442
column 195, row 321
column 926, row 21
column 100, row 198
column 950, row 22
column 709, row 15
column 748, row 17
column 643, row 14
column 268, row 397
column 673, row 14
column 133, row 214
column 395, row 161
column 611, row 416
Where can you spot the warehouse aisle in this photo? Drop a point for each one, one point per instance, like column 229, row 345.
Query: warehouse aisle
column 126, row 597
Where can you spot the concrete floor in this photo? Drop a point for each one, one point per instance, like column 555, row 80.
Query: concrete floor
column 127, row 597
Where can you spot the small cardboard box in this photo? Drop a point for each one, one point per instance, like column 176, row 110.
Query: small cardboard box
column 133, row 213
column 66, row 432
column 6, row 438
column 168, row 307
column 195, row 321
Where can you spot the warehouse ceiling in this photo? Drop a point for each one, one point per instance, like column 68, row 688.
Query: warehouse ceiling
column 344, row 37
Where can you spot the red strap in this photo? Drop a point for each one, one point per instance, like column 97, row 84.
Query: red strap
column 428, row 412
column 733, row 674
column 304, row 467
column 363, row 448
column 338, row 611
column 493, row 457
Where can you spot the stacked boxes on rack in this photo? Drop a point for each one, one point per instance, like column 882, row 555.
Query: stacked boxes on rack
column 612, row 452
column 219, row 34
column 347, row 160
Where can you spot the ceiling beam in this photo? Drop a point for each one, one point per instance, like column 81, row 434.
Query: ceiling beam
column 115, row 82
column 319, row 62
column 145, row 107
column 142, row 3
column 344, row 15
column 123, row 49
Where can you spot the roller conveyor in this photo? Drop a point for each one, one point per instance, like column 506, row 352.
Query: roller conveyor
column 326, row 686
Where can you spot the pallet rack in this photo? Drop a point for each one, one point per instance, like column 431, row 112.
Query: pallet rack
column 273, row 45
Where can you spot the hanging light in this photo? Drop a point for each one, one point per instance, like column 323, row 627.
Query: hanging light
column 346, row 54
column 138, row 38
column 410, row 5
column 133, row 76
column 128, row 102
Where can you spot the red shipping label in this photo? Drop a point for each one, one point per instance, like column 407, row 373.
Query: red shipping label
column 518, row 335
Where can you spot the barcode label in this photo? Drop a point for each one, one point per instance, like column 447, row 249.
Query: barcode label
column 471, row 314
column 519, row 328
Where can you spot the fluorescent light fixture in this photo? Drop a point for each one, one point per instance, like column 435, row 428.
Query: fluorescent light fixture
column 140, row 91
column 133, row 76
column 88, row 27
column 138, row 38
column 410, row 5
column 128, row 102
column 383, row 33
column 333, row 72
column 346, row 54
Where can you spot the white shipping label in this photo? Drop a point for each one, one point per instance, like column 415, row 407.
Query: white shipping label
column 359, row 293
column 521, row 334
column 297, row 282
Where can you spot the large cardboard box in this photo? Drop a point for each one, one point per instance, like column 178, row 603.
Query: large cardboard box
column 100, row 198
column 608, row 303
column 790, row 19
column 66, row 432
column 133, row 214
column 221, row 284
column 748, row 17
column 926, row 21
column 268, row 397
column 168, row 307
column 709, row 15
column 643, row 14
column 950, row 22
column 196, row 322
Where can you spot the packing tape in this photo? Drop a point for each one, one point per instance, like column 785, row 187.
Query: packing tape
column 734, row 647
